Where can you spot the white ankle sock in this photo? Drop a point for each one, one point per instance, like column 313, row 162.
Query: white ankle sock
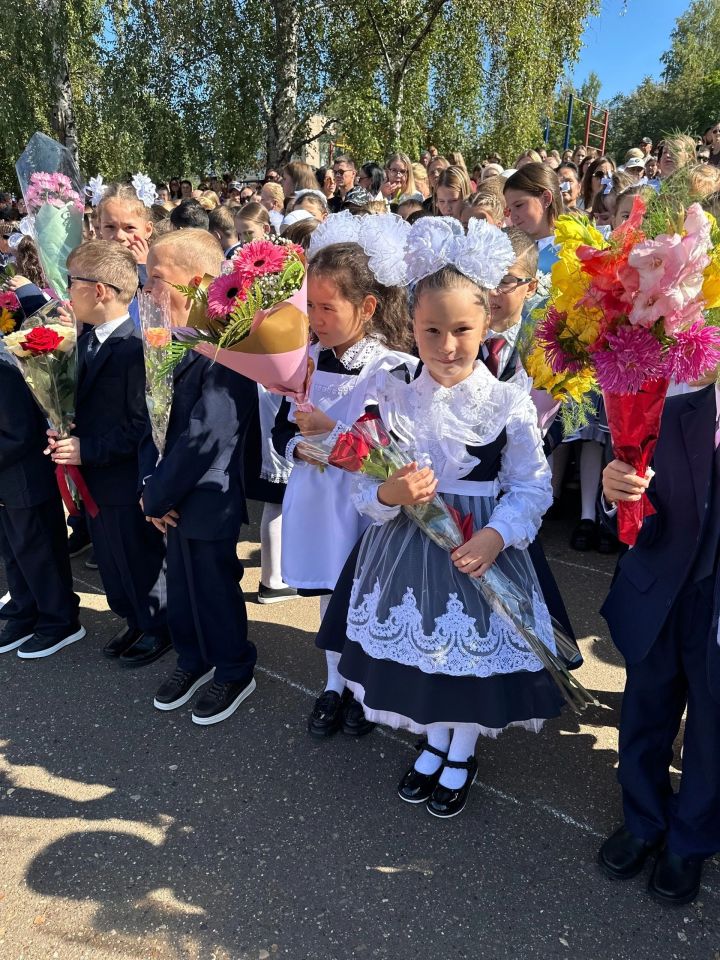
column 591, row 458
column 270, row 546
column 462, row 746
column 438, row 737
column 334, row 680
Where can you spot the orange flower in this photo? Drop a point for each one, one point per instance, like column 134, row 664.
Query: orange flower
column 157, row 336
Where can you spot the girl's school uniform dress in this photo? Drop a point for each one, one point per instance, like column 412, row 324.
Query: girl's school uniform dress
column 320, row 522
column 424, row 647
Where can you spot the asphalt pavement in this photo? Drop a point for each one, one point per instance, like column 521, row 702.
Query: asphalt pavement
column 128, row 834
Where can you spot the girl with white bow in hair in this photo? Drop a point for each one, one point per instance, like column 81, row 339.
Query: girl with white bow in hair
column 424, row 651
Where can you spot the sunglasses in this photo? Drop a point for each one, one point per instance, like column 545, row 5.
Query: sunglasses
column 599, row 174
column 72, row 280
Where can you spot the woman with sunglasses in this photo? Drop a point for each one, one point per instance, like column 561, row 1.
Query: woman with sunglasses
column 598, row 176
column 712, row 138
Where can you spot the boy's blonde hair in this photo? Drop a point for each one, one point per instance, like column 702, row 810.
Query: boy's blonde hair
column 106, row 262
column 195, row 250
column 487, row 199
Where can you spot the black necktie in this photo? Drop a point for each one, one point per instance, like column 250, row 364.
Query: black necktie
column 91, row 348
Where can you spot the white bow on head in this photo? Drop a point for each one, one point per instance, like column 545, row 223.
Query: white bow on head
column 145, row 189
column 95, row 189
column 483, row 255
column 383, row 238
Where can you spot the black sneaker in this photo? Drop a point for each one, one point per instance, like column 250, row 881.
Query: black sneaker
column 269, row 595
column 220, row 701
column 91, row 563
column 78, row 542
column 327, row 715
column 13, row 635
column 179, row 688
column 38, row 646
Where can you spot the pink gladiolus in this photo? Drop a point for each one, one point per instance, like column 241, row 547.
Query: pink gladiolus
column 631, row 357
column 651, row 305
column 694, row 352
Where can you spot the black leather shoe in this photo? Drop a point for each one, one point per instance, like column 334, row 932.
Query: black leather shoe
column 623, row 855
column 446, row 803
column 121, row 642
column 606, row 542
column 149, row 648
column 416, row 787
column 327, row 714
column 354, row 721
column 675, row 879
column 584, row 536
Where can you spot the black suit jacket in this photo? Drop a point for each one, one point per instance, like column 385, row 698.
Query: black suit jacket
column 111, row 416
column 27, row 477
column 652, row 573
column 201, row 472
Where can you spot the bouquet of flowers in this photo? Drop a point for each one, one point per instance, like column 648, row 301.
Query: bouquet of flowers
column 157, row 339
column 45, row 348
column 53, row 192
column 368, row 448
column 10, row 311
column 626, row 315
column 253, row 318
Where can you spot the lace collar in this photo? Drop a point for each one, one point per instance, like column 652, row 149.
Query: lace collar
column 439, row 423
column 361, row 353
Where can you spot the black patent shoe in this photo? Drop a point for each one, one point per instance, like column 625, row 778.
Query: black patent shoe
column 121, row 642
column 416, row 787
column 607, row 543
column 584, row 536
column 354, row 721
column 149, row 648
column 623, row 855
column 446, row 803
column 675, row 879
column 327, row 714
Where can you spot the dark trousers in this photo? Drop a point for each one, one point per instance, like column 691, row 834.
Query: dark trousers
column 38, row 569
column 130, row 555
column 206, row 607
column 672, row 676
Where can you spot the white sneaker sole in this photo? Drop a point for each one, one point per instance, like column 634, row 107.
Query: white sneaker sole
column 4, row 599
column 54, row 649
column 229, row 711
column 181, row 701
column 15, row 644
column 264, row 600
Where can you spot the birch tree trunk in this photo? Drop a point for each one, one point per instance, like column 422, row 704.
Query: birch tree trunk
column 283, row 122
column 63, row 111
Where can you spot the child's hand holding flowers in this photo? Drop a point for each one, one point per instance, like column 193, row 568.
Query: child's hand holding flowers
column 408, row 486
column 479, row 553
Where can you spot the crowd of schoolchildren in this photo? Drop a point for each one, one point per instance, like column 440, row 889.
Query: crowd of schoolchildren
column 424, row 333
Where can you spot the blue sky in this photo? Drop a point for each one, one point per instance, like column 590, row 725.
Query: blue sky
column 624, row 42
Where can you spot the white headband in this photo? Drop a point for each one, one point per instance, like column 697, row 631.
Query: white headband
column 383, row 237
column 483, row 255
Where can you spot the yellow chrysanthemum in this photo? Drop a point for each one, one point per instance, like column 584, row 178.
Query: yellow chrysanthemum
column 572, row 231
column 7, row 323
column 711, row 282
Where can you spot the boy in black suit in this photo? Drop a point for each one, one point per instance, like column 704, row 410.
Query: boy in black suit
column 42, row 615
column 111, row 418
column 663, row 610
column 195, row 495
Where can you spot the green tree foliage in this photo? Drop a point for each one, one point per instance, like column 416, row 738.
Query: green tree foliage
column 184, row 86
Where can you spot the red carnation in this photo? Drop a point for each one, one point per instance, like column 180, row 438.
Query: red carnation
column 42, row 340
column 349, row 453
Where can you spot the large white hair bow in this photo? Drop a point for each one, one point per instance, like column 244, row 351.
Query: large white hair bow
column 483, row 255
column 145, row 189
column 383, row 237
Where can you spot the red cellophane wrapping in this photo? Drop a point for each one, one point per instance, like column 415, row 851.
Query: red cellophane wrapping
column 634, row 421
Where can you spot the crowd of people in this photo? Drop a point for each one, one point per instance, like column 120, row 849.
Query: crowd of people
column 425, row 335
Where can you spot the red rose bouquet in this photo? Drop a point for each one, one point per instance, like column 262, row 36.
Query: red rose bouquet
column 45, row 348
column 368, row 448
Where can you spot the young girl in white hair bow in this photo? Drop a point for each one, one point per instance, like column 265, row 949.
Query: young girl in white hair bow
column 424, row 651
column 357, row 307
